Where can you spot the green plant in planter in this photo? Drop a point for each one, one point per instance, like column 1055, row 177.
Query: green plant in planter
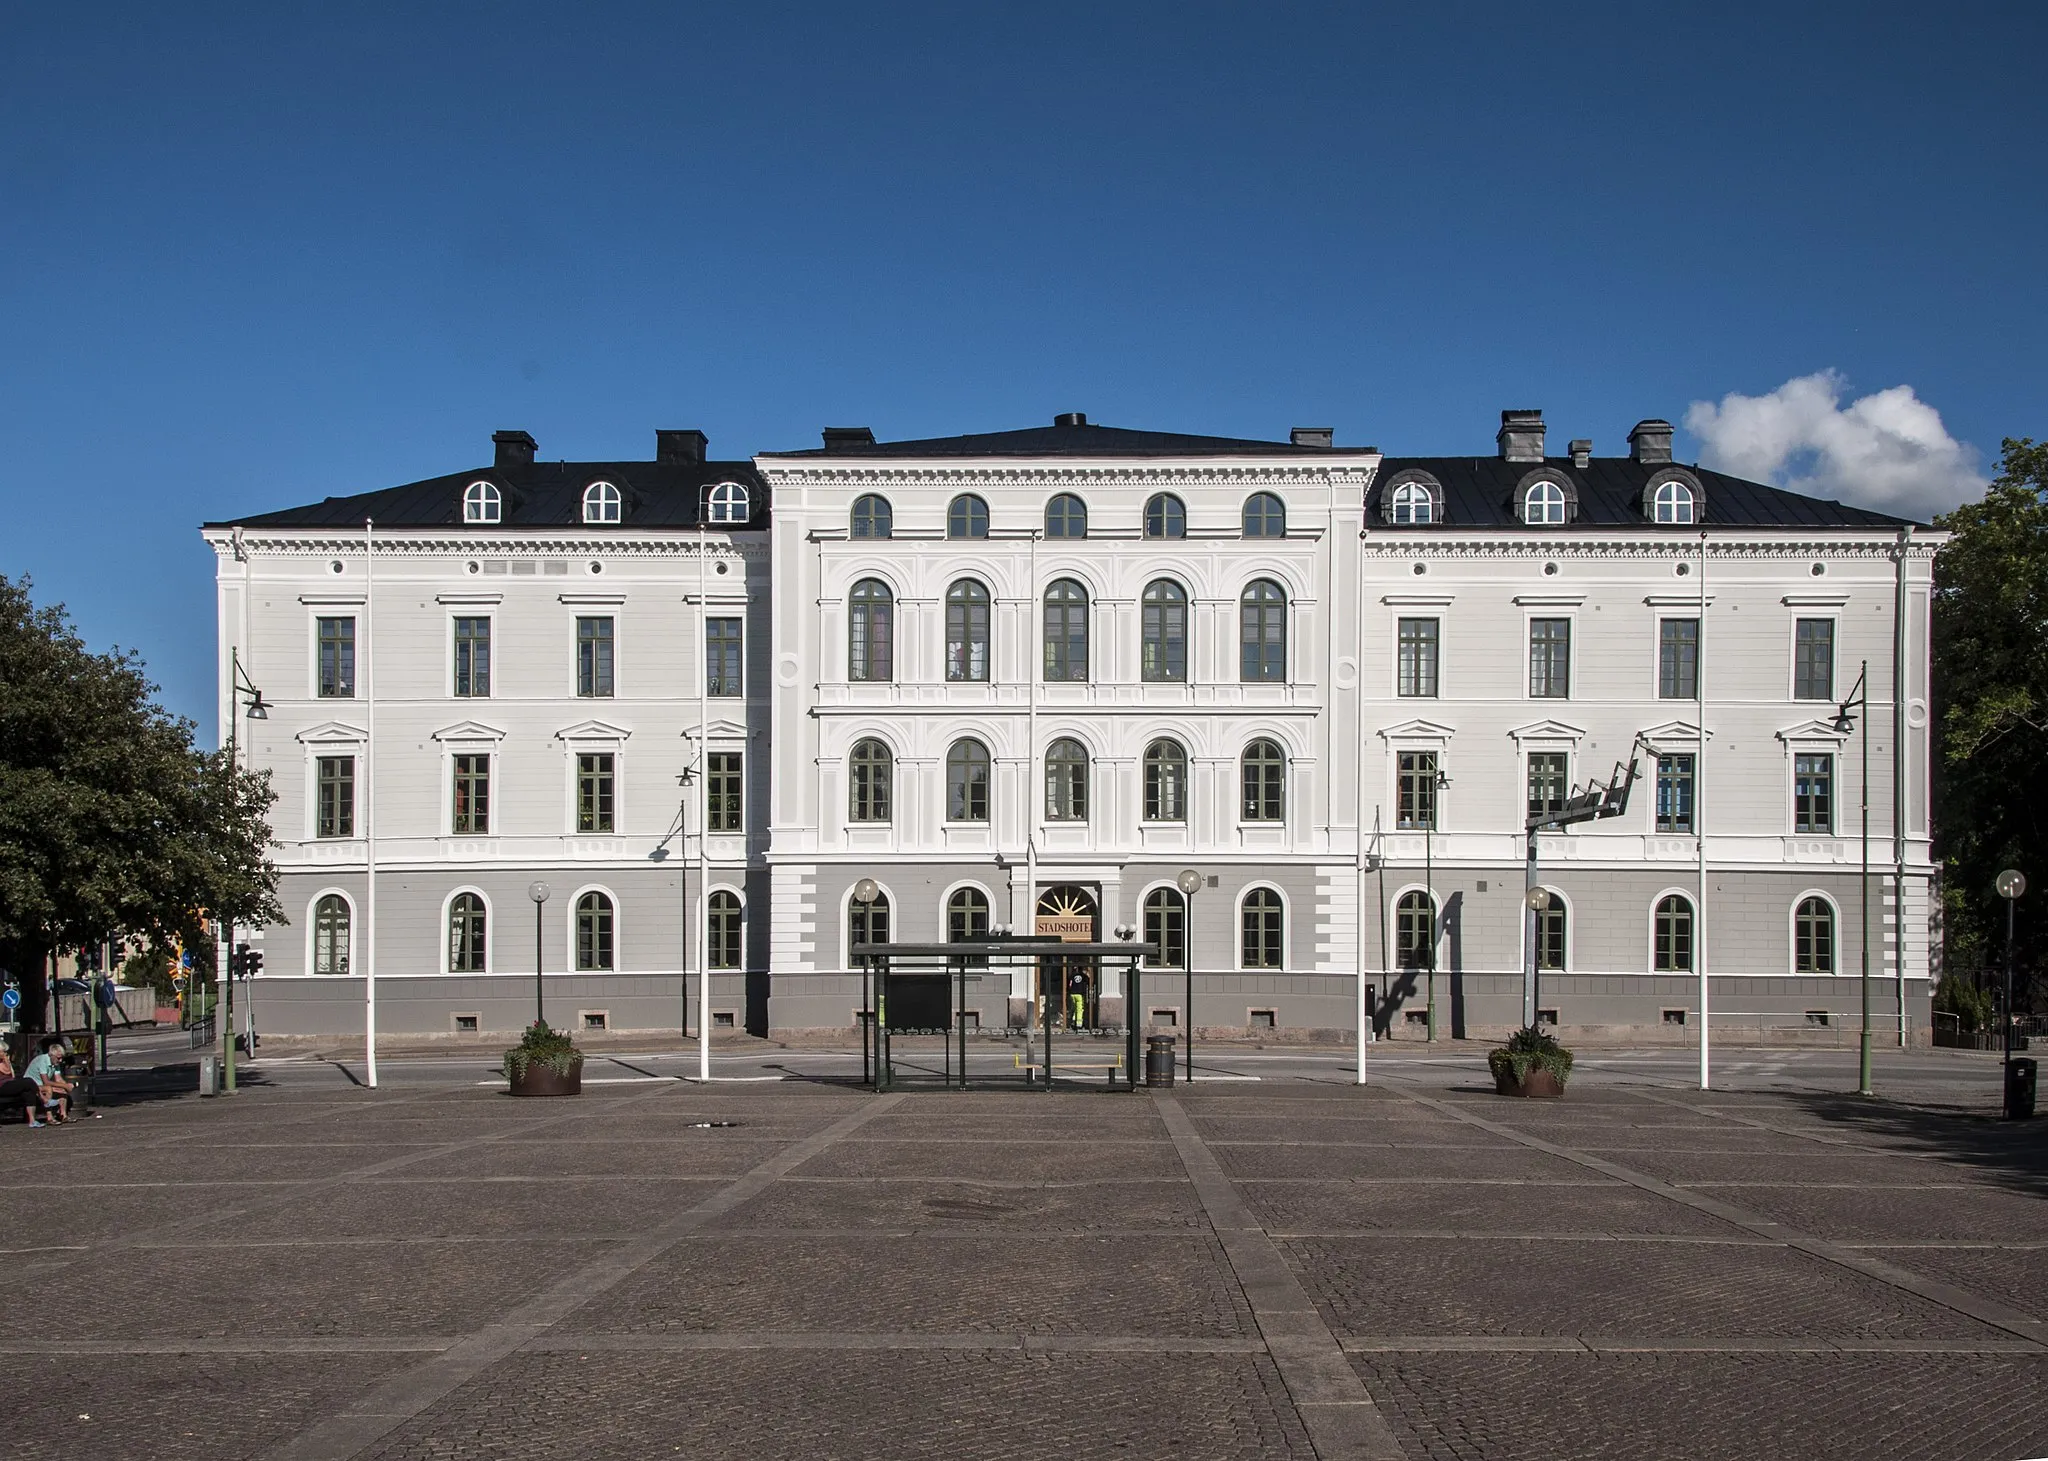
column 1530, row 1049
column 547, row 1048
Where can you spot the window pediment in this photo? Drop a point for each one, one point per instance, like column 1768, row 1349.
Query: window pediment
column 593, row 730
column 1548, row 730
column 333, row 733
column 1418, row 730
column 1811, row 731
column 717, row 730
column 469, row 730
column 1672, row 732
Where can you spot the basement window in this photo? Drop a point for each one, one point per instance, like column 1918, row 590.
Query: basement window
column 1546, row 1017
column 595, row 1019
column 1674, row 1017
column 1817, row 1017
column 722, row 1020
column 1262, row 1020
column 467, row 1024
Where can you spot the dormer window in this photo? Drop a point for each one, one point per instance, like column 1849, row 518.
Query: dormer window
column 601, row 503
column 481, row 503
column 726, row 503
column 1413, row 504
column 1543, row 504
column 1673, row 503
column 871, row 517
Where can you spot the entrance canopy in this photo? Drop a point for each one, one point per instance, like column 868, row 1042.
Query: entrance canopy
column 883, row 963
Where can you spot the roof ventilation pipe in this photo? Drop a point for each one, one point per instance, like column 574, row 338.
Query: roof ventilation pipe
column 1070, row 418
column 1582, row 451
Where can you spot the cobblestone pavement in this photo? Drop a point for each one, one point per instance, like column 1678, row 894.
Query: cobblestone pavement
column 1281, row 1268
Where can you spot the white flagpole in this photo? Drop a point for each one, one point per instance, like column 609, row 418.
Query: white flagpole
column 1699, row 824
column 704, row 821
column 363, row 659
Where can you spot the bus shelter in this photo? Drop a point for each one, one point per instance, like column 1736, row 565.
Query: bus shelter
column 924, row 988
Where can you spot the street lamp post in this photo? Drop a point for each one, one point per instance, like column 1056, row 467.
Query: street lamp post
column 864, row 893
column 239, row 685
column 1536, row 900
column 1188, row 882
column 1438, row 782
column 1859, row 701
column 2011, row 883
column 539, row 893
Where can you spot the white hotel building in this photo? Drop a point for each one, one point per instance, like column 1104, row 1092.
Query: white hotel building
column 1026, row 679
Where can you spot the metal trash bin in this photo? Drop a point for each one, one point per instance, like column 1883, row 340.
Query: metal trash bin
column 2019, row 1089
column 1160, row 1058
column 209, row 1075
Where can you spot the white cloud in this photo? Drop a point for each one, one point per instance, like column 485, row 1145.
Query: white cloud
column 1887, row 451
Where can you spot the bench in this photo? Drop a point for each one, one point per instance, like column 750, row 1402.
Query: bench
column 1031, row 1067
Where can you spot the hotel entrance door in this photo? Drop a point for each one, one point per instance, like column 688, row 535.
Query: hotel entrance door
column 1067, row 988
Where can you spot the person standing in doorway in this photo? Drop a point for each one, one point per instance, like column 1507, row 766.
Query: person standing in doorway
column 1077, row 1000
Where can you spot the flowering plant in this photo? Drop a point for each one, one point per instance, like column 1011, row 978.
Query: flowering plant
column 548, row 1048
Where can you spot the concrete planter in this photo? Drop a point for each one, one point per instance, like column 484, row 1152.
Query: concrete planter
column 1538, row 1084
column 538, row 1080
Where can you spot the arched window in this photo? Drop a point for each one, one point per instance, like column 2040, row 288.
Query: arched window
column 871, row 632
column 481, row 503
column 1262, row 921
column 966, row 916
column 1671, row 939
column 1543, row 503
column 467, row 926
column 1166, row 517
column 601, row 503
column 1674, row 502
column 1066, row 631
column 727, row 503
column 330, row 935
column 1066, row 516
column 1414, row 931
column 725, row 925
column 1413, row 503
column 594, row 931
column 967, row 517
column 1166, row 928
column 967, row 770
column 1550, row 934
column 967, row 610
column 1265, row 516
column 871, row 516
column 867, row 923
column 1265, row 782
column 870, row 767
column 1813, row 937
column 1066, row 781
column 1262, row 632
column 1166, row 782
column 1163, row 632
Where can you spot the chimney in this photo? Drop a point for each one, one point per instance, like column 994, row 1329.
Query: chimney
column 1582, row 451
column 839, row 438
column 515, row 448
column 1650, row 442
column 1521, row 436
column 1322, row 438
column 1070, row 418
column 680, row 448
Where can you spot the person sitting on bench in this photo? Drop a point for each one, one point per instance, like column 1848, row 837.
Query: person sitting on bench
column 47, row 1071
column 20, row 1088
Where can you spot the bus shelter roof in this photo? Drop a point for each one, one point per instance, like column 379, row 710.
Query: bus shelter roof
column 995, row 950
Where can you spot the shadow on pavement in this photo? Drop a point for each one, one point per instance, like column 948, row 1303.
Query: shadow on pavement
column 2015, row 1153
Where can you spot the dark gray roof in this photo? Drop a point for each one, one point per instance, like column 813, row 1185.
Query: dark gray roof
column 1479, row 492
column 537, row 495
column 1065, row 441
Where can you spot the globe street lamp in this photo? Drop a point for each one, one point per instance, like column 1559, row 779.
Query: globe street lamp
column 539, row 893
column 1844, row 722
column 1537, row 900
column 1188, row 882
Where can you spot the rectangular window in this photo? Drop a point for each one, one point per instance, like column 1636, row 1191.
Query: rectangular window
column 1813, row 794
column 594, row 783
column 594, row 656
column 1549, row 772
column 337, row 659
column 722, row 644
column 1417, row 653
column 723, row 792
column 1416, row 793
column 1550, row 937
column 335, row 807
column 1678, row 659
column 1550, row 659
column 1674, row 793
column 472, row 794
column 473, row 657
column 1813, row 660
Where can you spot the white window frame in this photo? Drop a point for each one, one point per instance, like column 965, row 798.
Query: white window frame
column 1833, row 615
column 1440, row 925
column 331, row 739
column 1237, row 928
column 1570, row 614
column 1564, row 504
column 618, row 930
column 1836, row 926
column 1571, row 931
column 1692, row 901
column 603, row 503
column 483, row 504
column 720, row 501
column 490, row 932
column 354, row 929
column 1692, row 504
column 846, row 906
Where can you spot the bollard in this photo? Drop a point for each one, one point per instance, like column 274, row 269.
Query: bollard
column 1160, row 1059
column 2019, row 1089
column 209, row 1075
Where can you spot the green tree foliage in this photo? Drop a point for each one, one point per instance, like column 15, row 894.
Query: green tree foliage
column 1991, row 684
column 112, row 821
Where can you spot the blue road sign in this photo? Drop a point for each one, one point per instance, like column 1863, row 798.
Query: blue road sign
column 11, row 999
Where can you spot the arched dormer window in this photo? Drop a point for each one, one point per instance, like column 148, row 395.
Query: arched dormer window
column 872, row 517
column 967, row 517
column 1265, row 516
column 1543, row 504
column 482, row 503
column 601, row 503
column 1166, row 517
column 726, row 503
column 1066, row 516
column 1672, row 498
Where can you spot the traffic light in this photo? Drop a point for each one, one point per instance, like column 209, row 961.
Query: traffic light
column 252, row 962
column 238, row 961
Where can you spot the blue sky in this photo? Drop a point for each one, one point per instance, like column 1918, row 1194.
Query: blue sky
column 252, row 257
